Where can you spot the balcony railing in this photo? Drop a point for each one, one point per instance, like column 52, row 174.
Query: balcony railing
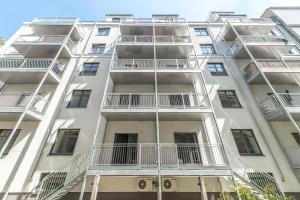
column 141, row 156
column 149, row 64
column 142, row 39
column 134, row 20
column 293, row 153
column 259, row 21
column 271, row 107
column 46, row 39
column 173, row 39
column 290, row 99
column 183, row 100
column 21, row 100
column 129, row 100
column 54, row 20
column 264, row 39
column 30, row 64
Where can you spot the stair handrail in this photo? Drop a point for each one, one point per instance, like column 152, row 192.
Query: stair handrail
column 277, row 192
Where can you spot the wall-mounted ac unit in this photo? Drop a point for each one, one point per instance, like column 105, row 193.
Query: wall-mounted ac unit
column 169, row 184
column 144, row 184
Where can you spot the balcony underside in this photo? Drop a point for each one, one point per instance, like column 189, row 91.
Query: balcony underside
column 111, row 171
column 275, row 77
column 56, row 29
column 247, row 29
column 148, row 76
column 17, row 76
column 150, row 115
column 282, row 116
column 147, row 51
column 13, row 114
column 263, row 51
column 35, row 50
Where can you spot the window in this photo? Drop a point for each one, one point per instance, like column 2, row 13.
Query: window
column 98, row 48
column 201, row 31
column 65, row 142
column 103, row 31
column 4, row 134
column 246, row 142
column 116, row 19
column 229, row 99
column 216, row 69
column 296, row 137
column 89, row 69
column 79, row 99
column 207, row 49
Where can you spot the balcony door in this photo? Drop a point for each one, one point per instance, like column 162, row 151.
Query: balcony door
column 187, row 148
column 179, row 100
column 126, row 99
column 125, row 149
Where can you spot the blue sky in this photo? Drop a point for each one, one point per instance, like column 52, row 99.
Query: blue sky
column 14, row 12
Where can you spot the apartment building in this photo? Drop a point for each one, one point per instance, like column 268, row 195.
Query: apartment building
column 151, row 108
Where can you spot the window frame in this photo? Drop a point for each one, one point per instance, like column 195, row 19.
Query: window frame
column 223, row 73
column 243, row 135
column 90, row 73
column 79, row 101
column 200, row 31
column 296, row 138
column 96, row 50
column 12, row 141
column 104, row 30
column 230, row 99
column 63, row 131
column 211, row 46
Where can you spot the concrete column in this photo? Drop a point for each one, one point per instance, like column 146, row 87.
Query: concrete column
column 203, row 188
column 82, row 188
column 95, row 187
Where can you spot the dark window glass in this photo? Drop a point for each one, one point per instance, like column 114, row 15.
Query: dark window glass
column 89, row 69
column 296, row 137
column 79, row 99
column 229, row 99
column 4, row 134
column 65, row 142
column 116, row 19
column 216, row 69
column 246, row 142
column 201, row 31
column 207, row 49
column 103, row 31
column 98, row 48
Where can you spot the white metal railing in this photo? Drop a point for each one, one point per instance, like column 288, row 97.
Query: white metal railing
column 290, row 99
column 260, row 180
column 263, row 39
column 172, row 39
column 125, row 155
column 129, row 100
column 54, row 20
column 183, row 100
column 250, row 71
column 271, row 107
column 192, row 155
column 21, row 100
column 293, row 153
column 31, row 64
column 64, row 176
column 47, row 39
column 133, row 64
column 135, row 39
column 168, row 20
column 161, row 64
column 251, row 21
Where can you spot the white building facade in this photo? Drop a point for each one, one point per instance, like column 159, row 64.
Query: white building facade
column 151, row 108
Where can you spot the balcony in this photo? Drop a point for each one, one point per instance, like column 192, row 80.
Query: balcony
column 12, row 104
column 43, row 45
column 142, row 106
column 29, row 70
column 273, row 109
column 277, row 71
column 54, row 21
column 135, row 20
column 142, row 70
column 198, row 158
column 261, row 46
column 293, row 153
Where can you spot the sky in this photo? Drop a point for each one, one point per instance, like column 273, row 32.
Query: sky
column 15, row 12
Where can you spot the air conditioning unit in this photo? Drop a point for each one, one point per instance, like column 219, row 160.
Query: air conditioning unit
column 144, row 184
column 169, row 184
